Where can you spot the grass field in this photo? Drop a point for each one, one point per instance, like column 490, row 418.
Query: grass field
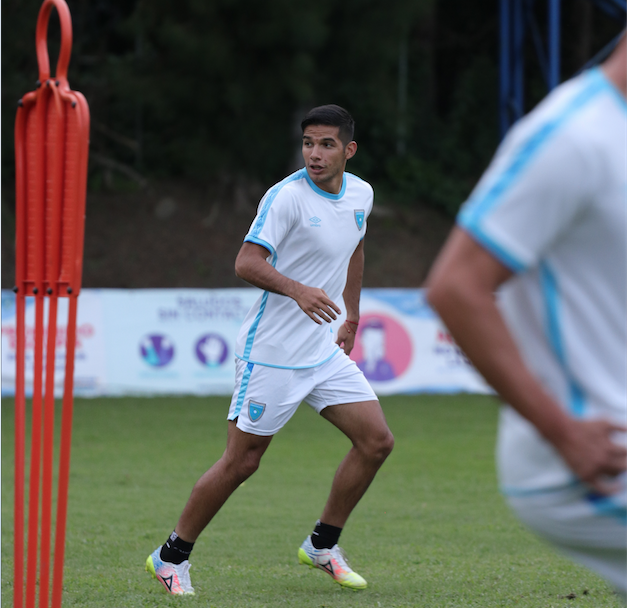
column 432, row 531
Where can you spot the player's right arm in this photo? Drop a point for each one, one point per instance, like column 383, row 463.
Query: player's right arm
column 252, row 266
column 461, row 289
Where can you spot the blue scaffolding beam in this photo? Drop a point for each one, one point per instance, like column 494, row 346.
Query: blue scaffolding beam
column 518, row 23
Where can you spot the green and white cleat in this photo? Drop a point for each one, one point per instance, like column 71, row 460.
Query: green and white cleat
column 174, row 577
column 332, row 561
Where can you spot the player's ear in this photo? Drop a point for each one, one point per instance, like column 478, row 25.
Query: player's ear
column 350, row 150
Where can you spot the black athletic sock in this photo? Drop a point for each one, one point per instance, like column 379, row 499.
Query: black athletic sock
column 325, row 536
column 175, row 550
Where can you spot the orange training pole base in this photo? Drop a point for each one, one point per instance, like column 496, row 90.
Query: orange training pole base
column 51, row 150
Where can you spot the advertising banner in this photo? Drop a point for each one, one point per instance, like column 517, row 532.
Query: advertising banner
column 181, row 341
column 403, row 347
column 90, row 357
column 173, row 340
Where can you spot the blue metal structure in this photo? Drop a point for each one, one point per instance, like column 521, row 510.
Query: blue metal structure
column 517, row 22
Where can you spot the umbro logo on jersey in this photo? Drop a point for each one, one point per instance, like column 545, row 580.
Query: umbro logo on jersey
column 360, row 216
column 256, row 410
column 315, row 221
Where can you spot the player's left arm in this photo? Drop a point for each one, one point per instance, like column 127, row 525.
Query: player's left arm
column 352, row 292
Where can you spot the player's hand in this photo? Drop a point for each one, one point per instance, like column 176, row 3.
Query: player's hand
column 345, row 339
column 316, row 304
column 588, row 447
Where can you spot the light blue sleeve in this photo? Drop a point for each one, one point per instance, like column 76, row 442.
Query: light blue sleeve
column 275, row 217
column 531, row 193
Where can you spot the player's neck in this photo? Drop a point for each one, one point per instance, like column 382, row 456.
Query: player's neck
column 333, row 186
column 615, row 67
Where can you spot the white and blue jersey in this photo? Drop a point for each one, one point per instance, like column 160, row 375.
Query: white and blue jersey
column 310, row 236
column 552, row 207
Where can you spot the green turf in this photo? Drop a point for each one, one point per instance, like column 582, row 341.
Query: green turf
column 432, row 530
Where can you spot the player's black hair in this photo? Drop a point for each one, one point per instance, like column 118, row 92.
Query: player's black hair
column 332, row 116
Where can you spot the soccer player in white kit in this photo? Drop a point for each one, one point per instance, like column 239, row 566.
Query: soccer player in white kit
column 305, row 249
column 546, row 226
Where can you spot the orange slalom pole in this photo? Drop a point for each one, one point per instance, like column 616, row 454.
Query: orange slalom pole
column 79, row 105
column 20, row 326
column 48, row 456
column 55, row 156
column 35, row 463
column 64, row 457
column 37, row 157
column 52, row 145
column 20, row 449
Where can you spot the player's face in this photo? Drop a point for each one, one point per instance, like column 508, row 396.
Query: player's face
column 325, row 156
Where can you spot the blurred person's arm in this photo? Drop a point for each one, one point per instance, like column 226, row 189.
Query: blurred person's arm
column 461, row 288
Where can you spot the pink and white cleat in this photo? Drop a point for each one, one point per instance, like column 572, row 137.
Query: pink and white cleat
column 174, row 577
column 332, row 561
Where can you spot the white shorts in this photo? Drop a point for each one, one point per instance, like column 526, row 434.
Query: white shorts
column 265, row 398
column 588, row 528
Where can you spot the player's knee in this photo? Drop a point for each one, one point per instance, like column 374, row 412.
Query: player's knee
column 387, row 444
column 249, row 464
column 241, row 467
column 379, row 447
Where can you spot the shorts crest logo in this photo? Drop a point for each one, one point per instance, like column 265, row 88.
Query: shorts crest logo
column 360, row 216
column 256, row 410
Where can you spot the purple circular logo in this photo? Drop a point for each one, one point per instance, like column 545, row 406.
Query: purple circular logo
column 211, row 350
column 156, row 350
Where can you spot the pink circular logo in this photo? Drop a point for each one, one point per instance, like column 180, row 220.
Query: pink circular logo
column 383, row 347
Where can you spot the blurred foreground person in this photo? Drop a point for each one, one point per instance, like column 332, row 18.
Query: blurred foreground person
column 547, row 225
column 305, row 249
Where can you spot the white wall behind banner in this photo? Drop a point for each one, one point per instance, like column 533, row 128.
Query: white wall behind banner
column 181, row 341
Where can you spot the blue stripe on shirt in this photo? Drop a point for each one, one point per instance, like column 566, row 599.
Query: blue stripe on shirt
column 272, row 194
column 554, row 331
column 481, row 203
column 242, row 391
column 606, row 505
column 256, row 241
column 330, row 195
column 255, row 324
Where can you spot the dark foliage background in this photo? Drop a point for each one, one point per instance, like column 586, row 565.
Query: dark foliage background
column 196, row 106
column 200, row 89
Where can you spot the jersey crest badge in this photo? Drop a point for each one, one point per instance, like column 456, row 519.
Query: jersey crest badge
column 360, row 216
column 256, row 410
